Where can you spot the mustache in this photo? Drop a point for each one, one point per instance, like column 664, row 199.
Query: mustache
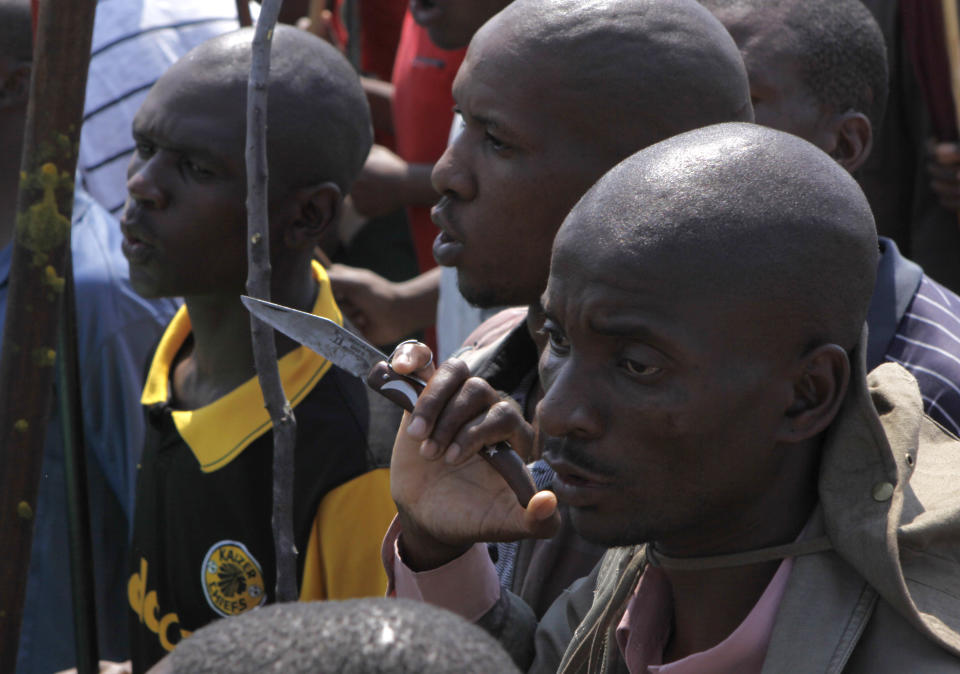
column 573, row 452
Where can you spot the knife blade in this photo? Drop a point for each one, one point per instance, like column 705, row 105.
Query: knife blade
column 351, row 353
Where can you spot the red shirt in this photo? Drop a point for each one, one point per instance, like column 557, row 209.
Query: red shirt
column 422, row 113
column 380, row 22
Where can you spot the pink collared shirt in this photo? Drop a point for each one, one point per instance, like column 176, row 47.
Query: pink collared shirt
column 469, row 587
column 644, row 630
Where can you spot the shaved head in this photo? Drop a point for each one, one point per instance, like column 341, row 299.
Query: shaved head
column 569, row 88
column 319, row 122
column 742, row 214
column 644, row 69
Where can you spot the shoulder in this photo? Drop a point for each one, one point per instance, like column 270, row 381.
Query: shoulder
column 495, row 328
column 927, row 343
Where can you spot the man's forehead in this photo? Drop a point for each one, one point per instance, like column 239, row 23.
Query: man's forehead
column 524, row 91
column 760, row 33
column 192, row 114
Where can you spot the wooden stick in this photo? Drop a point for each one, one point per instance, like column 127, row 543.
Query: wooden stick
column 951, row 34
column 40, row 247
column 951, row 31
column 75, row 474
column 258, row 285
column 243, row 13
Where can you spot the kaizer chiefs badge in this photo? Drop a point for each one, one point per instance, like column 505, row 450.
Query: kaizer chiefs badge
column 232, row 579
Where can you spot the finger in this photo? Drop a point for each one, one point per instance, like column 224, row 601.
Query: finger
column 441, row 388
column 502, row 422
column 471, row 403
column 413, row 358
column 541, row 517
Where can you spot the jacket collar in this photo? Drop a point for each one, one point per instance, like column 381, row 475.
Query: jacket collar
column 888, row 503
column 898, row 280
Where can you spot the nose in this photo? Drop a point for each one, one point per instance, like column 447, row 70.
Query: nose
column 452, row 175
column 143, row 184
column 569, row 407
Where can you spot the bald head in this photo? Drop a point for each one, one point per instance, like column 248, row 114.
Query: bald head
column 644, row 69
column 319, row 122
column 743, row 214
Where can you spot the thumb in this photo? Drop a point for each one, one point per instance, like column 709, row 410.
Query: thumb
column 541, row 517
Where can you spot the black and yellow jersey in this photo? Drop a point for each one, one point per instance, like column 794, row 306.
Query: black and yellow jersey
column 202, row 541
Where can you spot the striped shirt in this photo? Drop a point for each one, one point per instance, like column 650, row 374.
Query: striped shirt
column 134, row 42
column 926, row 340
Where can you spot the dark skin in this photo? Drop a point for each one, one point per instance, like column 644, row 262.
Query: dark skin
column 184, row 228
column 618, row 369
column 780, row 98
column 521, row 158
column 451, row 23
column 684, row 402
column 389, row 182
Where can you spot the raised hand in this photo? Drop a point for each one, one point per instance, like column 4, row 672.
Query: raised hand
column 448, row 498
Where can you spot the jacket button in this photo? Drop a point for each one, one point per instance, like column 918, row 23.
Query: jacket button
column 882, row 491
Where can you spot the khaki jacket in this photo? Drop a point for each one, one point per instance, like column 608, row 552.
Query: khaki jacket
column 886, row 598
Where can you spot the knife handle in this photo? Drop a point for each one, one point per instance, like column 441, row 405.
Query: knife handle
column 404, row 391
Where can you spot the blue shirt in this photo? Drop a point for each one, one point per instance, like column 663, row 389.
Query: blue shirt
column 116, row 331
column 915, row 321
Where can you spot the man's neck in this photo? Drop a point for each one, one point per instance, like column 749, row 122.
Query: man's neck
column 710, row 604
column 219, row 355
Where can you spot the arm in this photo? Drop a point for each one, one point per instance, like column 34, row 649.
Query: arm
column 388, row 182
column 380, row 97
column 384, row 311
column 943, row 169
column 448, row 500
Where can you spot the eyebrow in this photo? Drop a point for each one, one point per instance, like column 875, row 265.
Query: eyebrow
column 176, row 146
column 624, row 327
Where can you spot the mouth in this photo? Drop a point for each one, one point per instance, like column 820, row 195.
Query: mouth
column 425, row 11
column 447, row 249
column 135, row 249
column 574, row 485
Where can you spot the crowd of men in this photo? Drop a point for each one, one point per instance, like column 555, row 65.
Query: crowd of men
column 660, row 282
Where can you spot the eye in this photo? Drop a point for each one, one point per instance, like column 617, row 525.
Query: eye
column 197, row 170
column 145, row 149
column 495, row 143
column 638, row 369
column 556, row 340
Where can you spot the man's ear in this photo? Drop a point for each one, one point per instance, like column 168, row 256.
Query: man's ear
column 317, row 209
column 852, row 135
column 819, row 387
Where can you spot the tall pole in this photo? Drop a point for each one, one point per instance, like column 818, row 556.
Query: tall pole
column 40, row 247
column 258, row 285
column 75, row 473
column 951, row 34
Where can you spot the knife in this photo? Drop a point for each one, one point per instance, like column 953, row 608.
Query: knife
column 351, row 353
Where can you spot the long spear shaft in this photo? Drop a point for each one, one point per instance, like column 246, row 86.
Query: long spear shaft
column 258, row 285
column 951, row 34
column 41, row 244
column 75, row 469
